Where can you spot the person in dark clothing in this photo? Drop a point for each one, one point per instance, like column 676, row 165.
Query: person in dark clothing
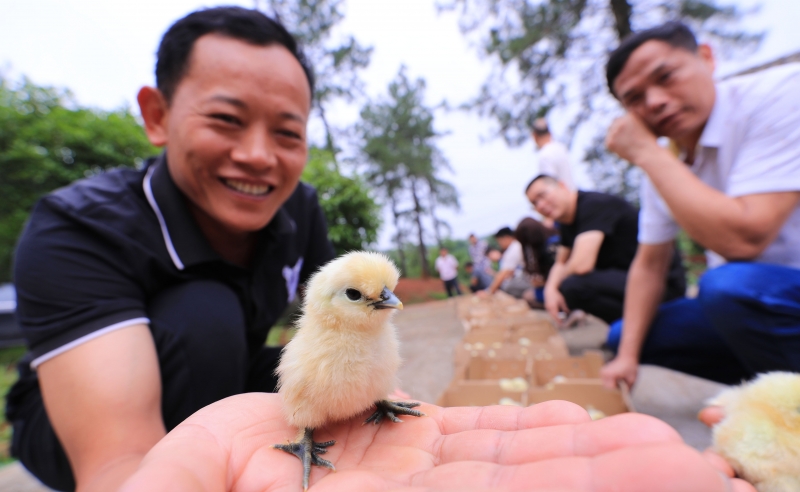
column 145, row 295
column 598, row 243
column 539, row 244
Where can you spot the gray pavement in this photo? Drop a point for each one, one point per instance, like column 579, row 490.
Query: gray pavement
column 428, row 335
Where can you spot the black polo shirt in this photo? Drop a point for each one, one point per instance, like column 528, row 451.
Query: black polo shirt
column 94, row 253
column 617, row 219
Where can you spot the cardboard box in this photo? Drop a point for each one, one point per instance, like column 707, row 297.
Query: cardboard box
column 485, row 337
column 588, row 393
column 587, row 366
column 537, row 332
column 493, row 368
column 478, row 393
column 555, row 347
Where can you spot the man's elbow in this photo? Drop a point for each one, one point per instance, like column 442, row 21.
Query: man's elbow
column 742, row 250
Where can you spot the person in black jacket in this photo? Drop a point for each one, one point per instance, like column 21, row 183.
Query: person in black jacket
column 598, row 242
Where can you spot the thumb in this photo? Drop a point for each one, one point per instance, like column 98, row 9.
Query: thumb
column 711, row 415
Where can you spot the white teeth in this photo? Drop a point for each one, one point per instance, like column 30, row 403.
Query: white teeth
column 247, row 188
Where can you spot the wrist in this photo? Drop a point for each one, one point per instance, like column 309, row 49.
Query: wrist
column 649, row 156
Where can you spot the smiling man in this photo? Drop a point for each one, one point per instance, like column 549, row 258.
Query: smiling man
column 733, row 184
column 148, row 294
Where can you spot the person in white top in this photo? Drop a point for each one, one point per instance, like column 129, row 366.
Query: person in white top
column 553, row 155
column 510, row 277
column 734, row 187
column 447, row 266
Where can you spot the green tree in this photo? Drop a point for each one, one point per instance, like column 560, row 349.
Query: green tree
column 402, row 161
column 551, row 54
column 46, row 142
column 352, row 214
column 336, row 61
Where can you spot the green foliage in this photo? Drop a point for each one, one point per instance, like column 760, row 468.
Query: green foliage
column 693, row 256
column 400, row 159
column 8, row 376
column 457, row 247
column 552, row 54
column 352, row 214
column 336, row 63
column 46, row 142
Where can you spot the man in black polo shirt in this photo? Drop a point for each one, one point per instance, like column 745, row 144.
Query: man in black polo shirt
column 147, row 294
column 598, row 243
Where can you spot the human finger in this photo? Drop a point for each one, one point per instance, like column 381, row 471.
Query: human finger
column 666, row 467
column 711, row 415
column 718, row 462
column 501, row 417
column 557, row 441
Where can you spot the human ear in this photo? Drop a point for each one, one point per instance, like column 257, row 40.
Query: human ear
column 154, row 111
column 706, row 54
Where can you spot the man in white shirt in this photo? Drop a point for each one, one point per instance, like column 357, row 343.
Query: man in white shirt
column 553, row 156
column 447, row 266
column 734, row 188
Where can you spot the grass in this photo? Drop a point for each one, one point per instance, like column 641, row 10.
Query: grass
column 8, row 376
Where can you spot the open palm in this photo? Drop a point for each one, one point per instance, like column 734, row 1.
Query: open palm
column 550, row 446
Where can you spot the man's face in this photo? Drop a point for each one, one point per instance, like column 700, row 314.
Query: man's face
column 473, row 240
column 504, row 242
column 236, row 132
column 671, row 89
column 442, row 253
column 549, row 199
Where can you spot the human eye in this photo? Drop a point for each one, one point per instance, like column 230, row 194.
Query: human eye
column 665, row 77
column 226, row 118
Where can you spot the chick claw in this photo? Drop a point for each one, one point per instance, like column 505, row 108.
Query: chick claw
column 390, row 409
column 308, row 452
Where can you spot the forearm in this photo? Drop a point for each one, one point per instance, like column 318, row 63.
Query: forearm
column 719, row 222
column 501, row 276
column 557, row 275
column 644, row 290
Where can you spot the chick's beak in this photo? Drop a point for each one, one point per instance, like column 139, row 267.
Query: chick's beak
column 387, row 301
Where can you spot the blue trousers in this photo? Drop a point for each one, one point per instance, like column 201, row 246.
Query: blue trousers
column 745, row 320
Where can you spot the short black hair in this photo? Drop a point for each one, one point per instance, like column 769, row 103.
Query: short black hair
column 673, row 33
column 505, row 231
column 469, row 264
column 239, row 23
column 546, row 177
column 540, row 128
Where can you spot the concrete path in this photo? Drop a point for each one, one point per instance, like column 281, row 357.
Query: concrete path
column 428, row 334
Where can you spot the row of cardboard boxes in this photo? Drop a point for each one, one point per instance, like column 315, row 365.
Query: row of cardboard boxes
column 512, row 355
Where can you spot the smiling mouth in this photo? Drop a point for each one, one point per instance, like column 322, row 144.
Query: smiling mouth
column 247, row 188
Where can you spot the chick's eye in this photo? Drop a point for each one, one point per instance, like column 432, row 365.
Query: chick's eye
column 352, row 294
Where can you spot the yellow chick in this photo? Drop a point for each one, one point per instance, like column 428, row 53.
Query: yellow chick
column 760, row 434
column 345, row 356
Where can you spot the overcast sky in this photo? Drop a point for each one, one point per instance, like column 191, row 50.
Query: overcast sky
column 103, row 51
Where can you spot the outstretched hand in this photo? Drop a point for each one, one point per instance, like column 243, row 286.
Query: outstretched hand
column 549, row 446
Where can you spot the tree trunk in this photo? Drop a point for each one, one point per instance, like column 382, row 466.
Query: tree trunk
column 398, row 238
column 329, row 145
column 423, row 254
column 622, row 17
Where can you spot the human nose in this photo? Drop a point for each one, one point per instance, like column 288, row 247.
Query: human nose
column 656, row 99
column 255, row 150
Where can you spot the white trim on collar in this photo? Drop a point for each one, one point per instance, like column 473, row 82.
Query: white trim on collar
column 148, row 192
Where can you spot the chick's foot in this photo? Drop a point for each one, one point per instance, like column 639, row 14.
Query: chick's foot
column 308, row 452
column 391, row 409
